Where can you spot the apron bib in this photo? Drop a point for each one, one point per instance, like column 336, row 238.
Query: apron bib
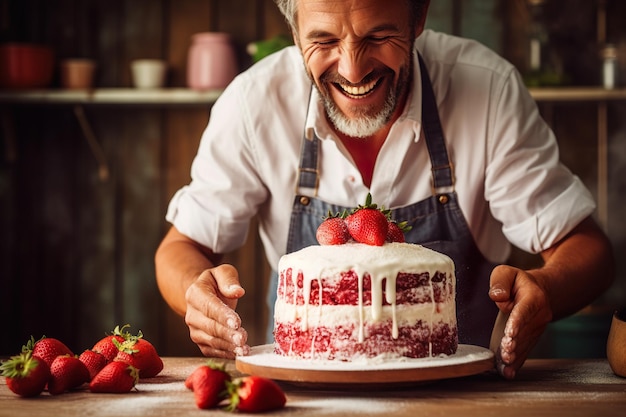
column 437, row 223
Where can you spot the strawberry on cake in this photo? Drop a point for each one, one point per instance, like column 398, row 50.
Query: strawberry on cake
column 364, row 293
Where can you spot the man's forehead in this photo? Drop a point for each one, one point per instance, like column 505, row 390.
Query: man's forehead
column 349, row 6
column 332, row 15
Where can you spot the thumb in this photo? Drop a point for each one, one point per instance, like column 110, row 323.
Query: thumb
column 227, row 279
column 501, row 283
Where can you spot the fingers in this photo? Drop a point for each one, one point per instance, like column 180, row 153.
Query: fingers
column 215, row 294
column 501, row 292
column 214, row 339
column 507, row 358
column 514, row 351
column 511, row 356
column 518, row 293
column 213, row 323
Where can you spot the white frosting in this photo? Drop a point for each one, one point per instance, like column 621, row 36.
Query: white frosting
column 333, row 316
column 326, row 263
column 379, row 261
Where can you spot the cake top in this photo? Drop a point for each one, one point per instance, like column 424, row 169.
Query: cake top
column 366, row 224
column 365, row 237
column 378, row 261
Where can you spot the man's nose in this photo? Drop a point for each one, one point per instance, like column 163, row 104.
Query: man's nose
column 353, row 63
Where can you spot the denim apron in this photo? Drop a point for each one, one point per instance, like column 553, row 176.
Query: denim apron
column 437, row 223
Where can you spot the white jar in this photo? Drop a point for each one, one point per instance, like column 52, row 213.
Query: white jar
column 609, row 66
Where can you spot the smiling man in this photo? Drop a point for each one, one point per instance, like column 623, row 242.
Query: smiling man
column 438, row 128
column 362, row 68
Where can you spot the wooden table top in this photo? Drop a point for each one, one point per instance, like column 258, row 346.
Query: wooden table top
column 544, row 387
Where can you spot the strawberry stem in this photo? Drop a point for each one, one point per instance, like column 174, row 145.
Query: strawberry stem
column 18, row 366
column 232, row 388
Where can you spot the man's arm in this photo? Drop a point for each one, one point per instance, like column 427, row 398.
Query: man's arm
column 576, row 271
column 195, row 286
column 179, row 261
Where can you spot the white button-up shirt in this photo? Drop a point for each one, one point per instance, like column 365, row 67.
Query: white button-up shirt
column 511, row 186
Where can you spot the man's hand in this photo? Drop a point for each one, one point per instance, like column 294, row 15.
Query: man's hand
column 576, row 270
column 213, row 324
column 519, row 295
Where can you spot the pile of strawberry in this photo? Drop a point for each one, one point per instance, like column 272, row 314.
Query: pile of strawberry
column 114, row 365
column 213, row 386
column 365, row 224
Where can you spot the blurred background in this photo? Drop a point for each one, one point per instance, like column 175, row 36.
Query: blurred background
column 86, row 175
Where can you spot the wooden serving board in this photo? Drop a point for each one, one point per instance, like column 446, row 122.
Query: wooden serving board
column 469, row 360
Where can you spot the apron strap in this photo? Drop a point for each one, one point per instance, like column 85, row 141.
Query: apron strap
column 308, row 171
column 442, row 169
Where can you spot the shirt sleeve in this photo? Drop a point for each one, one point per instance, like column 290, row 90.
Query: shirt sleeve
column 225, row 189
column 535, row 197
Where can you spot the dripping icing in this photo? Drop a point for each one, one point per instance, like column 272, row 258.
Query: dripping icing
column 384, row 264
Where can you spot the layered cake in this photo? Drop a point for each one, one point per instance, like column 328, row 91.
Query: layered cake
column 350, row 300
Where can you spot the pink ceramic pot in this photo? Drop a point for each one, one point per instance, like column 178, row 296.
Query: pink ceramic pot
column 24, row 65
column 211, row 62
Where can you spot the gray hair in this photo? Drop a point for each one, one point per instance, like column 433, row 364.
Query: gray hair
column 289, row 9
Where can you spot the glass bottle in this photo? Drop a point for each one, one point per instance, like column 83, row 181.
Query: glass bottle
column 609, row 66
column 537, row 40
column 538, row 37
column 543, row 67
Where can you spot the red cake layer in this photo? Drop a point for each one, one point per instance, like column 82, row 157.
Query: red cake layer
column 410, row 289
column 341, row 316
column 341, row 343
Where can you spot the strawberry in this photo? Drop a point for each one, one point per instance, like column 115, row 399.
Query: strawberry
column 141, row 354
column 208, row 383
column 395, row 231
column 116, row 377
column 189, row 381
column 333, row 230
column 94, row 361
column 26, row 375
column 66, row 372
column 47, row 348
column 105, row 345
column 255, row 394
column 368, row 224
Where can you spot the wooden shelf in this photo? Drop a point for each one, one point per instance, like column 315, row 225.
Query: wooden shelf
column 573, row 94
column 184, row 96
column 112, row 96
column 167, row 97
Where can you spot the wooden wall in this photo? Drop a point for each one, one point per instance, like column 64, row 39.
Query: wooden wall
column 76, row 251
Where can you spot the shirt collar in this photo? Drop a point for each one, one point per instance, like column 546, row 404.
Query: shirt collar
column 315, row 120
column 413, row 109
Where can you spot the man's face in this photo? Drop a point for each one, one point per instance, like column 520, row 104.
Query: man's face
column 358, row 53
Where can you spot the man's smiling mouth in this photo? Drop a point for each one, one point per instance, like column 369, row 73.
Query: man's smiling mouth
column 358, row 91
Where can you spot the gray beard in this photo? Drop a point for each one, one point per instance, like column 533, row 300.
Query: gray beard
column 364, row 125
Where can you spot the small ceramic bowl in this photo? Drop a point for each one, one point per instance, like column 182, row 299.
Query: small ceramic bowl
column 616, row 343
column 24, row 65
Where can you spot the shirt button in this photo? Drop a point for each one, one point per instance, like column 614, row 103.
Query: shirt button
column 443, row 199
column 304, row 201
